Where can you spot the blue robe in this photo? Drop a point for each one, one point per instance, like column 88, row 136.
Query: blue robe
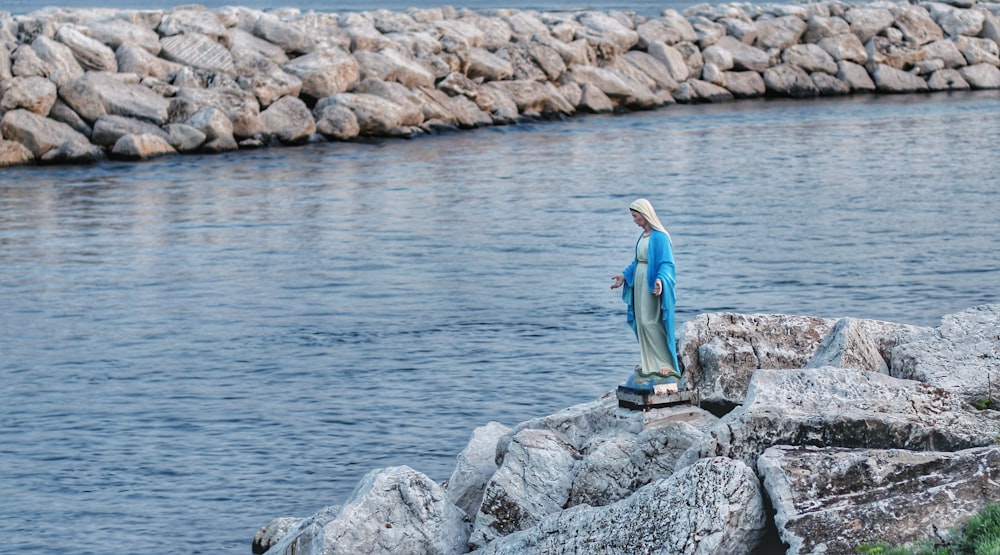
column 660, row 266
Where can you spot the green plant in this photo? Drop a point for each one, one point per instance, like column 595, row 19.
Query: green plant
column 983, row 403
column 979, row 536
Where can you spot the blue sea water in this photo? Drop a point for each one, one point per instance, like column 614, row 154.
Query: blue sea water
column 195, row 345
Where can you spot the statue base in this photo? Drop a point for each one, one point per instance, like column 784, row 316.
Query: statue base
column 657, row 397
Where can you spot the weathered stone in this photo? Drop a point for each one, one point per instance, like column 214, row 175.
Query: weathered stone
column 946, row 51
column 835, row 407
column 290, row 36
column 744, row 84
column 655, row 30
column 132, row 59
column 867, row 22
column 697, row 91
column 525, row 25
column 891, row 80
column 593, row 100
column 91, row 54
column 108, row 129
column 810, row 58
column 855, row 76
column 336, row 122
column 713, row 506
column 991, row 27
column 848, row 345
column 845, row 48
column 780, row 32
column 979, row 50
column 244, row 41
column 264, row 78
column 391, row 65
column 238, row 106
column 98, row 93
column 708, row 31
column 955, row 22
column 532, row 97
column 115, row 33
column 38, row 133
column 184, row 137
column 375, row 115
column 325, row 73
column 947, row 80
column 195, row 21
column 711, row 73
column 677, row 25
column 212, row 122
column 832, row 500
column 197, row 50
column 745, row 57
column 13, row 153
column 651, row 68
column 474, row 467
column 742, row 30
column 602, row 28
column 828, row 85
column 272, row 533
column 57, row 61
column 61, row 112
column 789, row 80
column 36, row 94
column 671, row 59
column 488, row 66
column 220, row 144
column 363, row 34
column 410, row 101
column 819, row 28
column 548, row 60
column 916, row 25
column 72, row 152
column 721, row 58
column 289, row 120
column 692, row 56
column 887, row 52
column 141, row 147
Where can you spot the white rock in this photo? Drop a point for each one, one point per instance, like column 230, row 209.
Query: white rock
column 38, row 133
column 289, row 120
column 672, row 59
column 848, row 345
column 828, row 85
column 745, row 84
column 141, row 147
column 391, row 65
column 780, row 32
column 892, row 80
column 197, row 50
column 855, row 76
column 955, row 22
column 917, row 25
column 325, row 73
column 979, row 50
column 810, row 58
column 745, row 57
column 95, row 94
column 866, row 22
column 476, row 464
column 375, row 115
column 36, row 94
column 946, row 51
column 108, row 129
column 947, row 80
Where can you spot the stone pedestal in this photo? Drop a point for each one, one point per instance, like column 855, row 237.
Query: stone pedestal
column 636, row 398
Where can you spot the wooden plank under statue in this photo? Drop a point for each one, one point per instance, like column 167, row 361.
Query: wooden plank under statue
column 644, row 394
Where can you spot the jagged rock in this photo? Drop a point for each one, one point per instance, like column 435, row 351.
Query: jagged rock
column 198, row 51
column 947, row 80
column 672, row 59
column 289, row 120
column 195, row 21
column 745, row 57
column 61, row 112
column 789, row 80
column 979, row 50
column 133, row 59
column 548, row 60
column 72, row 152
column 711, row 73
column 239, row 106
column 362, row 34
column 517, row 58
column 212, row 122
column 917, row 25
column 38, row 133
column 56, row 59
column 141, row 147
column 719, row 57
column 845, row 48
column 836, row 407
column 828, row 85
column 824, row 27
column 95, row 94
column 92, row 55
column 244, row 41
column 741, row 29
column 13, row 153
column 114, row 33
column 325, row 72
column 474, row 467
column 410, row 101
column 697, row 90
column 391, row 65
column 610, row 82
column 855, row 76
column 221, row 144
column 744, row 84
column 264, row 78
column 655, row 30
column 593, row 100
column 832, row 500
column 36, row 94
column 463, row 32
column 525, row 25
column 713, row 506
column 780, row 32
column 677, row 26
column 892, row 80
column 692, row 56
column 272, row 533
column 809, row 57
column 708, row 31
column 946, row 51
column 336, row 122
column 720, row 351
column 888, row 52
column 954, row 22
column 487, row 66
column 991, row 27
column 848, row 345
column 375, row 115
column 184, row 137
column 651, row 68
column 392, row 510
column 109, row 129
column 5, row 72
column 290, row 36
column 868, row 22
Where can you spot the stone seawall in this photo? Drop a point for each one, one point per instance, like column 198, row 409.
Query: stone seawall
column 80, row 85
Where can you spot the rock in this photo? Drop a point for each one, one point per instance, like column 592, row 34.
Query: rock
column 195, row 21
column 678, row 26
column 141, row 147
column 692, row 56
column 835, row 407
column 593, row 100
column 95, row 94
column 602, row 29
column 713, row 506
column 72, row 152
column 291, row 36
column 745, row 57
column 832, row 500
column 720, row 351
column 991, row 27
column 887, row 52
column 38, row 133
column 721, row 58
column 963, row 357
column 742, row 30
column 917, row 25
column 532, row 97
column 744, row 84
column 789, row 80
column 375, row 115
column 390, row 65
column 59, row 63
column 5, row 72
column 61, row 112
column 655, row 30
column 132, row 59
column 978, row 50
column 820, row 27
column 289, row 120
column 845, row 48
column 855, row 76
column 671, row 59
column 198, row 51
column 947, row 80
column 519, row 61
column 184, row 137
column 474, row 467
column 392, row 510
column 780, row 32
column 828, row 85
column 488, row 66
column 711, row 73
column 810, row 58
column 336, row 122
column 696, row 91
column 549, row 60
column 848, row 345
column 212, row 122
column 867, row 22
column 36, row 94
column 109, row 129
column 115, row 32
column 92, row 55
column 272, row 533
column 411, row 102
column 891, row 80
column 946, row 51
column 612, row 83
column 955, row 22
column 325, row 72
column 708, row 31
column 651, row 68
column 264, row 78
column 13, row 153
column 239, row 106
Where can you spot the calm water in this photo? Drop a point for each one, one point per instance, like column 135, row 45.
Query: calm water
column 195, row 345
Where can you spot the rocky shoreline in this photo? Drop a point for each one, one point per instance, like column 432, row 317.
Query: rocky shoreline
column 824, row 434
column 77, row 86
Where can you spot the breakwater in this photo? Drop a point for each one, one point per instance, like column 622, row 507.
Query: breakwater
column 80, row 85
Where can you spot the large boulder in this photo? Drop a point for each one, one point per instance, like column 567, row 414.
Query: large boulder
column 262, row 76
column 92, row 55
column 141, row 147
column 95, row 94
column 474, row 467
column 288, row 120
column 867, row 22
column 108, row 129
column 240, row 107
column 779, row 32
column 810, row 58
column 198, row 51
column 789, row 80
column 845, row 47
column 375, row 115
column 133, row 59
column 390, row 64
column 917, row 26
column 40, row 134
column 36, row 94
column 325, row 72
column 981, row 76
column 848, row 345
column 13, row 153
column 745, row 57
column 831, row 500
column 47, row 58
column 891, row 80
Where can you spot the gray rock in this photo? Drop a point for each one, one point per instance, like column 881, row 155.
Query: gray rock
column 745, row 57
column 846, row 48
column 462, row 32
column 917, row 25
column 677, row 25
column 485, row 65
column 991, row 27
column 57, row 61
column 820, row 27
column 525, row 25
column 264, row 78
column 789, row 80
column 36, row 94
column 132, row 59
column 212, row 122
column 336, row 122
column 891, row 80
column 325, row 72
column 108, row 129
column 955, row 22
column 835, row 407
column 38, row 133
column 780, row 32
column 196, row 21
column 707, row 31
column 655, row 30
column 671, row 59
column 867, row 22
column 5, row 72
column 549, row 60
column 115, row 32
column 13, row 153
column 946, row 51
column 61, row 112
column 515, row 57
column 855, row 76
column 95, row 94
column 391, row 65
column 947, row 80
column 244, row 41
column 410, row 101
column 613, row 83
column 289, row 120
column 828, row 85
column 272, row 533
column 744, row 84
column 375, row 115
column 978, row 50
column 91, row 54
column 692, row 56
column 721, row 58
column 713, row 506
column 183, row 137
column 534, row 98
column 291, row 36
column 475, row 466
column 198, row 51
column 141, row 147
column 810, row 58
column 711, row 73
column 848, row 345
column 239, row 107
column 697, row 91
column 743, row 30
column 603, row 28
column 593, row 100
column 888, row 52
column 392, row 510
column 72, row 152
column 832, row 500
